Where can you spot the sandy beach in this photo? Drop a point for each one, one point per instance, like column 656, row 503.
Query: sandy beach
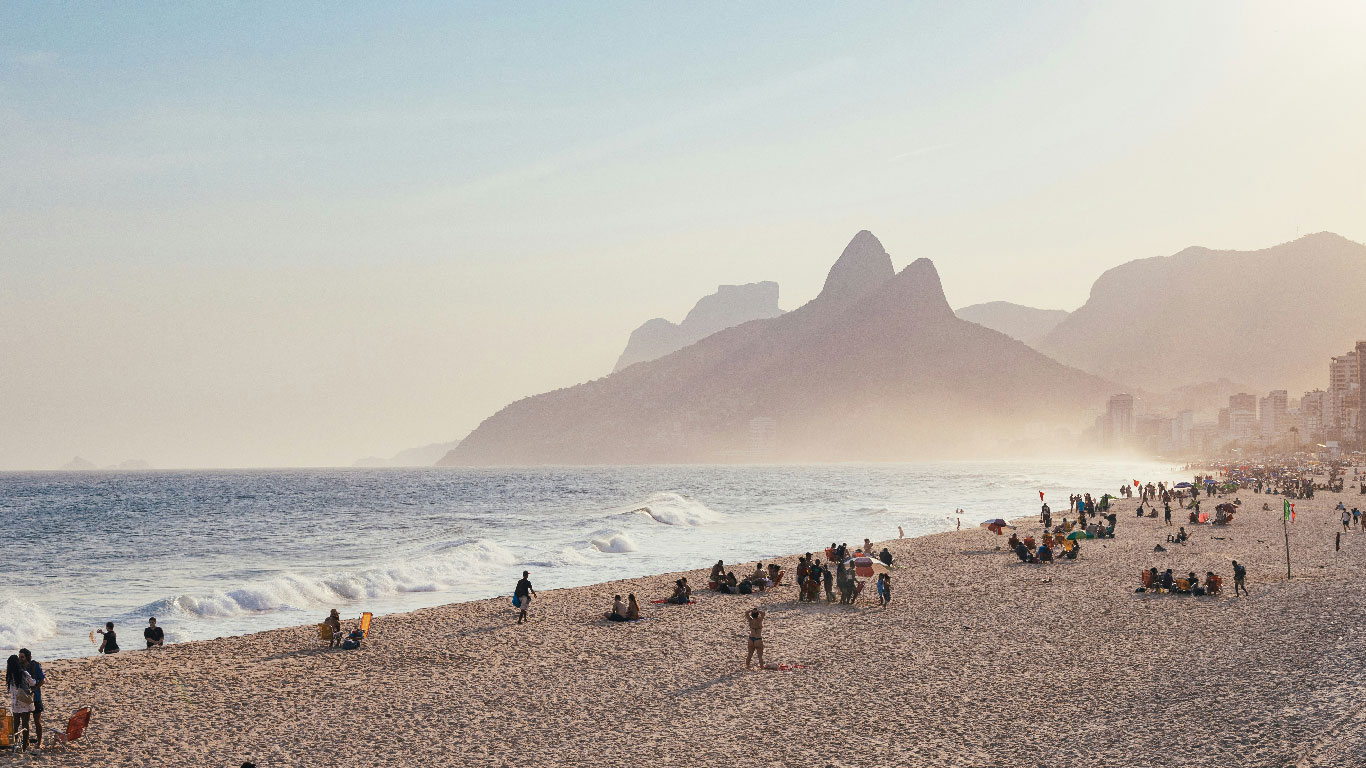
column 979, row 661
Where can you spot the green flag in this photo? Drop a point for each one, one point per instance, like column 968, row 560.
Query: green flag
column 1289, row 510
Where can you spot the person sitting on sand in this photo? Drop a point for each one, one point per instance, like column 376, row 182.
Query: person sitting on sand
column 1045, row 554
column 333, row 622
column 1022, row 552
column 1194, row 583
column 682, row 592
column 746, row 586
column 885, row 556
column 760, row 578
column 1029, row 542
column 1013, row 541
column 867, row 547
column 632, row 607
column 110, row 642
column 1167, row 581
column 775, row 574
column 717, row 571
column 618, row 612
column 1213, row 583
column 1181, row 535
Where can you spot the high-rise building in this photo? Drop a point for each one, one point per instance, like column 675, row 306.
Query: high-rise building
column 1313, row 408
column 1273, row 414
column 1361, row 389
column 1344, row 381
column 1242, row 416
column 1119, row 419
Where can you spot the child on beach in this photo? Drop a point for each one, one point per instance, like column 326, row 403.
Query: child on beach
column 884, row 589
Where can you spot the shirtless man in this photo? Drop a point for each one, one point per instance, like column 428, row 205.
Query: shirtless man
column 755, row 619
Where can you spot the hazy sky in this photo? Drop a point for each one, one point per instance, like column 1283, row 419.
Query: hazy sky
column 266, row 235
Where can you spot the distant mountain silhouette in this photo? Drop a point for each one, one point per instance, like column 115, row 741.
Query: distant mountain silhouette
column 1014, row 320
column 79, row 464
column 730, row 306
column 876, row 367
column 1269, row 319
column 422, row 456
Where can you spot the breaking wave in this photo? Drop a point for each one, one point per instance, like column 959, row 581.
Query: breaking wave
column 612, row 542
column 446, row 566
column 672, row 508
column 23, row 623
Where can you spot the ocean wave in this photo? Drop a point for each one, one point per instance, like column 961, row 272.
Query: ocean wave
column 612, row 542
column 23, row 623
column 445, row 566
column 672, row 508
column 871, row 511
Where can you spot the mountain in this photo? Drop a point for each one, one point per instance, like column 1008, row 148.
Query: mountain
column 1014, row 320
column 730, row 306
column 877, row 367
column 422, row 456
column 79, row 464
column 1269, row 319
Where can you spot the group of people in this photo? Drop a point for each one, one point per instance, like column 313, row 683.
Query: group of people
column 761, row 579
column 1031, row 551
column 1166, row 583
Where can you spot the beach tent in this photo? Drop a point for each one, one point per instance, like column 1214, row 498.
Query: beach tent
column 1074, row 535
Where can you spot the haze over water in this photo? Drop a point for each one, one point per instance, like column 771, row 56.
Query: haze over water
column 221, row 553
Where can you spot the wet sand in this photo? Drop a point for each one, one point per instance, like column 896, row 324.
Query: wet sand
column 979, row 661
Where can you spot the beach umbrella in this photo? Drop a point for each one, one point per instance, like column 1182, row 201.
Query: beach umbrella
column 1182, row 485
column 1074, row 535
column 996, row 525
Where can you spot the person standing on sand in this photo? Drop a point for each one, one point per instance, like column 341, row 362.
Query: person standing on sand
column 900, row 534
column 1239, row 578
column 755, row 619
column 524, row 593
column 1167, row 514
column 35, row 671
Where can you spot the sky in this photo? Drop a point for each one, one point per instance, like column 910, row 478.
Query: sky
column 300, row 234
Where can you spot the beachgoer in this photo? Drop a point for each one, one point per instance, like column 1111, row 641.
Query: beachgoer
column 618, row 612
column 867, row 547
column 775, row 574
column 1213, row 583
column 1167, row 514
column 828, row 579
column 717, row 571
column 884, row 589
column 1346, row 517
column 20, row 687
column 1356, row 517
column 885, row 556
column 632, row 607
column 900, row 534
column 110, row 643
column 154, row 635
column 755, row 620
column 523, row 593
column 682, row 594
column 1045, row 554
column 35, row 671
column 1239, row 578
column 1167, row 580
column 333, row 622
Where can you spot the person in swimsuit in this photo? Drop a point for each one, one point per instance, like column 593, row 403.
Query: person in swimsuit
column 755, row 619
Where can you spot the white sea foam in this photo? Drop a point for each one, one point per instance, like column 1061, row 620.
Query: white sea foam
column 672, row 508
column 447, row 566
column 23, row 623
column 612, row 542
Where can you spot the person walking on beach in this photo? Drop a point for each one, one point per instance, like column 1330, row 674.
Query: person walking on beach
column 1167, row 513
column 755, row 620
column 1346, row 518
column 35, row 671
column 524, row 593
column 1239, row 578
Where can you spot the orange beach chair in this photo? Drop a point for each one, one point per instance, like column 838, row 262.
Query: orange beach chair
column 75, row 728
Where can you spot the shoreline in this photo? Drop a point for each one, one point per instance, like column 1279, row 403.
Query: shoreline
column 979, row 660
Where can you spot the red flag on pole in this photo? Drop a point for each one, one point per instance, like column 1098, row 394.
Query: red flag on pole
column 1040, row 495
column 1135, row 483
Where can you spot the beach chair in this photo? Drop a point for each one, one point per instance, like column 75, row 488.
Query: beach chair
column 75, row 728
column 365, row 619
column 325, row 633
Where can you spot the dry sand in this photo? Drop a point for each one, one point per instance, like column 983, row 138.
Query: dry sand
column 979, row 661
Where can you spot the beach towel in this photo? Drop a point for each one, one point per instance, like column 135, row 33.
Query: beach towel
column 666, row 602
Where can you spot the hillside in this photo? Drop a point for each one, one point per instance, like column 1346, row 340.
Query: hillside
column 875, row 367
column 730, row 306
column 1014, row 320
column 1269, row 319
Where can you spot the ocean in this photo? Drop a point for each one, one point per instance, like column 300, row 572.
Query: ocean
column 217, row 553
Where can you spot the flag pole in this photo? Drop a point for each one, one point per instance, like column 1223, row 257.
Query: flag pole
column 1285, row 526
